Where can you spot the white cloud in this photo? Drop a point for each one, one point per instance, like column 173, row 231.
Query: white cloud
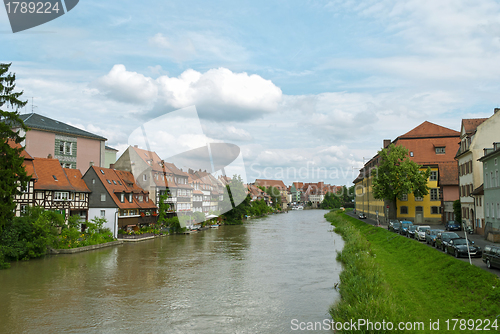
column 126, row 86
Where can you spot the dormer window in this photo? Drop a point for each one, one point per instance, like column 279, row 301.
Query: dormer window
column 102, row 172
column 122, row 197
column 130, row 198
column 440, row 150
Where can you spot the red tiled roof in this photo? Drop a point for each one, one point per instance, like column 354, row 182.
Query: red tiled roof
column 470, row 124
column 428, row 130
column 448, row 173
column 76, row 180
column 50, row 175
column 123, row 182
column 268, row 183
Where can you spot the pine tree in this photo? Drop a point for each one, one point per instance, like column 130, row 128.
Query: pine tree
column 12, row 173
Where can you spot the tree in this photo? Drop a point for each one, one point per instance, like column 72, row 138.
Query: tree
column 396, row 176
column 275, row 195
column 457, row 210
column 12, row 173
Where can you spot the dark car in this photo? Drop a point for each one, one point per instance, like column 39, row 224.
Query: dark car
column 411, row 231
column 404, row 227
column 362, row 216
column 458, row 247
column 443, row 238
column 491, row 256
column 430, row 236
column 452, row 225
column 391, row 222
column 395, row 226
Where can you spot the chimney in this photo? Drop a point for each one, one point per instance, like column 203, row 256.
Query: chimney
column 387, row 142
column 136, row 146
column 111, row 166
column 49, row 156
column 495, row 110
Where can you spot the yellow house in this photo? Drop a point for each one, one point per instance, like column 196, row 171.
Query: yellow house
column 429, row 145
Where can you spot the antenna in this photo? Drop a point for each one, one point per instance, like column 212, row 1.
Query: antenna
column 32, row 105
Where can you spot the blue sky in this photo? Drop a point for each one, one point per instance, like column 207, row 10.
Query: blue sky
column 298, row 85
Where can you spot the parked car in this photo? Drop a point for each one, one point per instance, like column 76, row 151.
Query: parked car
column 411, row 231
column 430, row 236
column 458, row 247
column 362, row 216
column 443, row 238
column 395, row 227
column 404, row 227
column 491, row 256
column 391, row 222
column 452, row 225
column 420, row 232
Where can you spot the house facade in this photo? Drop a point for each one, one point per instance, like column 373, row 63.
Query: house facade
column 116, row 197
column 490, row 162
column 431, row 146
column 476, row 135
column 73, row 147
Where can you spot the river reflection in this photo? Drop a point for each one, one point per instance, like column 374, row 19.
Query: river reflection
column 253, row 278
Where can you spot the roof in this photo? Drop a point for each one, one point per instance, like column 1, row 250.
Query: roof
column 470, row 124
column 479, row 190
column 24, row 154
column 76, row 180
column 109, row 148
column 50, row 175
column 123, row 182
column 39, row 122
column 268, row 183
column 448, row 173
column 429, row 130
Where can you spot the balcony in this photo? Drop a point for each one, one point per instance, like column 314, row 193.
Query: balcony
column 184, row 199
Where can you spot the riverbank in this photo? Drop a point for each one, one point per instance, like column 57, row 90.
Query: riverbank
column 387, row 277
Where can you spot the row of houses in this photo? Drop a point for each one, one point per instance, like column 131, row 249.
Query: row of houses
column 463, row 166
column 297, row 192
column 75, row 173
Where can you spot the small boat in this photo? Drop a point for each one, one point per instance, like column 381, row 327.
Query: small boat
column 214, row 226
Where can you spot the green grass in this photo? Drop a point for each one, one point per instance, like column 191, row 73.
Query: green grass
column 393, row 278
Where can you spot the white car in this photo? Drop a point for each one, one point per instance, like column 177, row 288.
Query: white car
column 420, row 232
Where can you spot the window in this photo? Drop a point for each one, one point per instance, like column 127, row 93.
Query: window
column 435, row 210
column 404, row 197
column 141, row 198
column 419, row 199
column 487, row 210
column 55, row 178
column 130, row 198
column 435, row 194
column 495, row 161
column 122, row 197
column 114, row 182
column 103, row 213
column 61, row 196
column 440, row 150
column 25, row 188
column 65, row 148
column 496, row 178
column 411, row 153
column 108, row 181
column 93, row 181
column 102, row 172
column 103, row 197
column 144, row 177
column 23, row 209
column 403, row 210
column 434, row 176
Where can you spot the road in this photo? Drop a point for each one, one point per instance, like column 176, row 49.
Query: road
column 478, row 240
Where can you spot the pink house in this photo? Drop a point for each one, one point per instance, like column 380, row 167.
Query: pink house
column 73, row 147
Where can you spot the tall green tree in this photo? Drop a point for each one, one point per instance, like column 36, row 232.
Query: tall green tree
column 396, row 176
column 275, row 195
column 12, row 172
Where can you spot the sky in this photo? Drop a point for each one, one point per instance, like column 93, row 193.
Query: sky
column 308, row 90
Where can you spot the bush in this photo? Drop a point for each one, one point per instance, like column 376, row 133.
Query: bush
column 29, row 236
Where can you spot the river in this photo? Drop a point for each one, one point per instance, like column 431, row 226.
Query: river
column 252, row 278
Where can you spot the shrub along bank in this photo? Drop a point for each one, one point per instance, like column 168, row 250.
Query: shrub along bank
column 391, row 278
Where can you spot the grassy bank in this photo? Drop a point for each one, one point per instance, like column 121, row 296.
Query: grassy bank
column 392, row 278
